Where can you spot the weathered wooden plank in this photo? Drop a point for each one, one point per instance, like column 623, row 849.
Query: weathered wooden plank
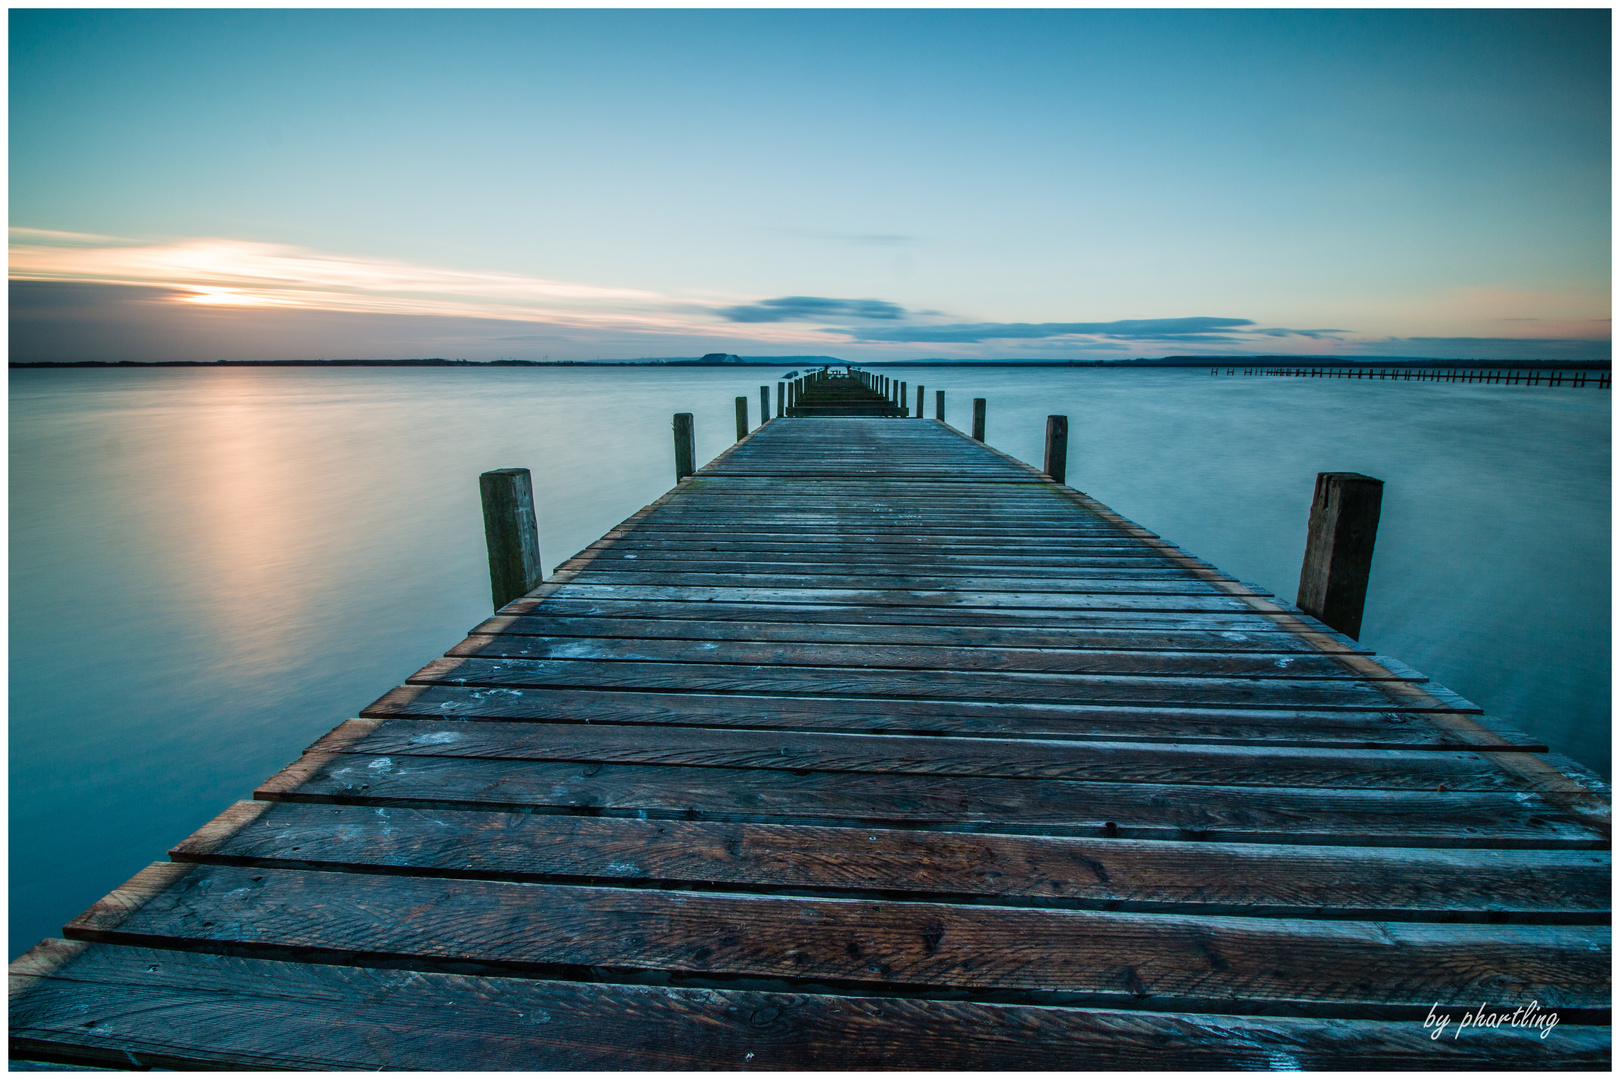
column 1135, row 958
column 1097, row 661
column 1125, row 762
column 1252, row 879
column 1125, row 579
column 1349, row 729
column 1280, row 692
column 1054, row 807
column 160, row 1008
column 1139, row 599
column 1021, row 638
column 836, row 546
column 1158, row 583
column 692, row 559
column 763, row 608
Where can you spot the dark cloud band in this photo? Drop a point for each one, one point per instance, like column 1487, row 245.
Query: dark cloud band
column 784, row 308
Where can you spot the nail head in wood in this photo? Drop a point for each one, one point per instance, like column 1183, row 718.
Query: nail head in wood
column 510, row 534
column 1339, row 549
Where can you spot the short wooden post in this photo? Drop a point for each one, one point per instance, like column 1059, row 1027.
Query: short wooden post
column 742, row 418
column 939, row 405
column 1057, row 447
column 1339, row 549
column 781, row 398
column 510, row 534
column 764, row 405
column 683, row 446
column 978, row 418
column 920, row 391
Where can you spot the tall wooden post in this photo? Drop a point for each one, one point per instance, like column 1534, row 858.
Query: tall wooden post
column 781, row 399
column 764, row 405
column 978, row 418
column 742, row 418
column 510, row 534
column 939, row 405
column 1339, row 549
column 1057, row 447
column 920, row 391
column 902, row 401
column 683, row 446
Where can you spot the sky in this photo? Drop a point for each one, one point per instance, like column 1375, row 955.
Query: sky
column 872, row 185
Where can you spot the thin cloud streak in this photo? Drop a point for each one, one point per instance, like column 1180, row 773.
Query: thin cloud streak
column 784, row 308
column 1198, row 328
column 245, row 273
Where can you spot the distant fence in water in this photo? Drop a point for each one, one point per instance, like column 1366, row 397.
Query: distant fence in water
column 1593, row 377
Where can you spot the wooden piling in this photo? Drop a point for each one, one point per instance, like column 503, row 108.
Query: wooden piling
column 901, row 401
column 920, row 391
column 742, row 418
column 978, row 418
column 764, row 404
column 939, row 405
column 683, row 446
column 781, row 399
column 1057, row 447
column 510, row 534
column 1339, row 549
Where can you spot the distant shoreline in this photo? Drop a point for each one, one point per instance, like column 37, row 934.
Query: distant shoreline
column 817, row 361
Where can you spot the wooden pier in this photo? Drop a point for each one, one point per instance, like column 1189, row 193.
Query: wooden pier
column 867, row 746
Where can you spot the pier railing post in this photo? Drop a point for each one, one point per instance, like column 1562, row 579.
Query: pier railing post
column 742, row 418
column 764, row 405
column 510, row 534
column 781, row 399
column 902, row 400
column 1339, row 549
column 939, row 405
column 920, row 390
column 1057, row 447
column 978, row 418
column 683, row 446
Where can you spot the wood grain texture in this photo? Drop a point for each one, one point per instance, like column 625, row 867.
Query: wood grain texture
column 1349, row 729
column 1207, row 877
column 167, row 1009
column 1141, row 959
column 1065, row 807
column 1129, row 762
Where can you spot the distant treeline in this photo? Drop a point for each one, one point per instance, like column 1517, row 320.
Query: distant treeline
column 732, row 360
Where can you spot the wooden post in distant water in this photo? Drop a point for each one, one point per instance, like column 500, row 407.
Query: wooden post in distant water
column 939, row 405
column 781, row 399
column 1057, row 447
column 1339, row 549
column 978, row 418
column 742, row 418
column 510, row 533
column 764, row 405
column 683, row 446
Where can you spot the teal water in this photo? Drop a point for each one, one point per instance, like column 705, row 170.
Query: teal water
column 212, row 568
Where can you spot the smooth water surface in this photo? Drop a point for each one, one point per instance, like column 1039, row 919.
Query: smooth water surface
column 212, row 568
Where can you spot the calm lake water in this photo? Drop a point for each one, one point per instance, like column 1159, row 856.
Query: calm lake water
column 212, row 568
